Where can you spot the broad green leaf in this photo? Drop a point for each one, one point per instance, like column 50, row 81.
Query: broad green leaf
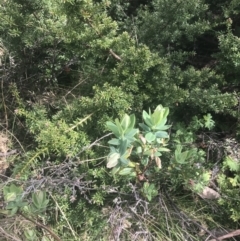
column 113, row 149
column 178, row 151
column 161, row 124
column 147, row 119
column 112, row 127
column 13, row 211
column 161, row 127
column 114, row 141
column 147, row 153
column 123, row 146
column 131, row 133
column 11, row 196
column 163, row 149
column 161, row 134
column 156, row 117
column 139, row 150
column 164, row 111
column 145, row 161
column 120, row 129
column 132, row 164
column 157, row 153
column 126, row 171
column 133, row 174
column 183, row 157
column 113, row 160
column 150, row 137
column 124, row 161
column 16, row 189
column 11, row 205
column 115, row 169
column 145, row 127
column 132, row 122
column 22, row 204
column 39, row 199
column 125, row 122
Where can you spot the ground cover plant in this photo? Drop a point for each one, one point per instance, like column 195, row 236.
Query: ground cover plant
column 119, row 120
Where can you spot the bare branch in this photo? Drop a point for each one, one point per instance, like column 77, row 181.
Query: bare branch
column 229, row 235
column 115, row 55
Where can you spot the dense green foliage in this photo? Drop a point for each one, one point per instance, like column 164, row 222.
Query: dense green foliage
column 71, row 71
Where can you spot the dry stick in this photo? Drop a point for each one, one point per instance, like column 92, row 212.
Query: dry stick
column 115, row 55
column 42, row 226
column 229, row 235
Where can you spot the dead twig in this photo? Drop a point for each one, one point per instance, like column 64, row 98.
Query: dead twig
column 115, row 55
column 229, row 235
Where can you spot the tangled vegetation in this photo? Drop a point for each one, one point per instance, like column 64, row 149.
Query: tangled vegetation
column 119, row 120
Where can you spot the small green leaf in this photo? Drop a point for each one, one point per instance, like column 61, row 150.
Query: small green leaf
column 150, row 137
column 115, row 170
column 162, row 134
column 125, row 122
column 139, row 150
column 144, row 127
column 39, row 200
column 157, row 153
column 114, row 141
column 130, row 134
column 11, row 196
column 13, row 211
column 11, row 205
column 147, row 119
column 163, row 149
column 123, row 146
column 113, row 160
column 120, row 129
column 161, row 127
column 112, row 127
column 145, row 161
column 132, row 122
column 124, row 161
column 126, row 171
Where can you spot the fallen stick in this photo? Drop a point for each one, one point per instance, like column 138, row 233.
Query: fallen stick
column 229, row 235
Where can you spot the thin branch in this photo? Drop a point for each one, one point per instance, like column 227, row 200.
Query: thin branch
column 229, row 235
column 94, row 143
column 115, row 55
